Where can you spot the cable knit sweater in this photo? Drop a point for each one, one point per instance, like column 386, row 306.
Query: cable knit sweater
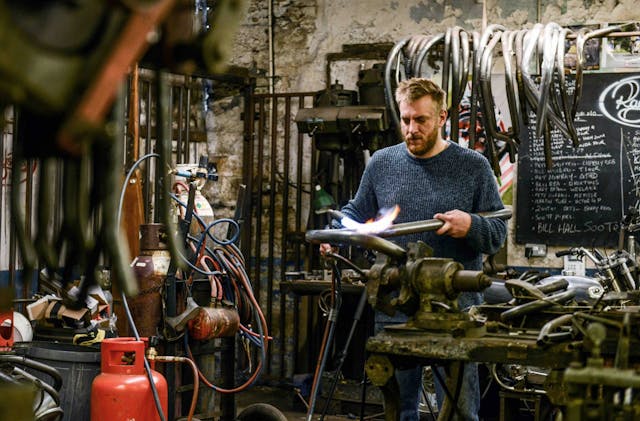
column 456, row 178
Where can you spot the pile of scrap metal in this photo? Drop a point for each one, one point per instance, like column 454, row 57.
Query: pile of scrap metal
column 589, row 332
column 26, row 396
column 537, row 84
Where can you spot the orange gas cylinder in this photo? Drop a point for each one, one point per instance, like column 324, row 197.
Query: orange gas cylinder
column 122, row 391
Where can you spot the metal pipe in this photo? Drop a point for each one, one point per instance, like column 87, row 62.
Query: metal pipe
column 273, row 170
column 548, row 328
column 377, row 242
column 38, row 382
column 350, row 237
column 283, row 241
column 35, row 365
column 435, row 224
column 537, row 305
column 247, row 170
column 187, row 126
column 553, row 286
column 181, row 156
column 147, row 187
column 272, row 59
column 196, row 383
column 257, row 205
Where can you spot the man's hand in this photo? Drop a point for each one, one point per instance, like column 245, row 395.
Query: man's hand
column 326, row 248
column 456, row 223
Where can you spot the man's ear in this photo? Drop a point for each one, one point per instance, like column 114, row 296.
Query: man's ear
column 443, row 117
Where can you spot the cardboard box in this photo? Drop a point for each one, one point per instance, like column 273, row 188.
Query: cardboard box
column 58, row 315
column 36, row 310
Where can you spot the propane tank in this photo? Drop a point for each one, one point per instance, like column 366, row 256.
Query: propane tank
column 150, row 269
column 122, row 392
column 216, row 321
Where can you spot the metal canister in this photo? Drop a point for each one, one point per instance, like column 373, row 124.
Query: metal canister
column 150, row 269
column 215, row 321
column 122, row 390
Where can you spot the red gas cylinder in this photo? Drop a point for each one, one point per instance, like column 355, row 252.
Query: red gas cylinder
column 122, row 391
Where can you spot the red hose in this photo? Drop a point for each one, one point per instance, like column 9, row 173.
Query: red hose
column 196, row 383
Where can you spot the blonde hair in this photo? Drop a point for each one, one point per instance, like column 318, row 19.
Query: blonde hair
column 411, row 90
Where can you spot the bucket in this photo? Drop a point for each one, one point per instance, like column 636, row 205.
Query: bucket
column 77, row 365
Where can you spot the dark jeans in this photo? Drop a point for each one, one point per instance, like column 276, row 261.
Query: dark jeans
column 410, row 380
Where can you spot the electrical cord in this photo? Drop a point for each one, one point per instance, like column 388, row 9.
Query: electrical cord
column 128, row 177
column 207, row 227
column 147, row 367
column 347, row 262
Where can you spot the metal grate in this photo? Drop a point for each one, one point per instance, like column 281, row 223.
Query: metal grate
column 280, row 164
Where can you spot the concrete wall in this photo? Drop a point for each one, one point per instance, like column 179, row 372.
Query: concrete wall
column 305, row 31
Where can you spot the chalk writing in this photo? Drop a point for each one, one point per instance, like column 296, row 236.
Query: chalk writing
column 582, row 198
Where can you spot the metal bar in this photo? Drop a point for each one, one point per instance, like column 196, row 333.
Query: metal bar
column 299, row 190
column 272, row 218
column 146, row 188
column 164, row 99
column 247, row 170
column 3, row 188
column 29, row 208
column 312, row 315
column 298, row 247
column 187, row 128
column 611, row 35
column 285, row 231
column 413, row 227
column 350, row 237
column 258, row 204
column 283, row 95
column 377, row 241
column 181, row 157
column 227, row 401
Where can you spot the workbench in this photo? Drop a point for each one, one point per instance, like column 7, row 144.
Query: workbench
column 400, row 346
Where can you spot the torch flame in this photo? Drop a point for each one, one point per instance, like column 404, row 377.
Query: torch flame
column 384, row 221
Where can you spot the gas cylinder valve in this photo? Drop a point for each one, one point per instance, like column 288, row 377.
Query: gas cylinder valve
column 152, row 352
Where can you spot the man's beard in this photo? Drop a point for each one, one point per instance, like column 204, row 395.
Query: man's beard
column 424, row 145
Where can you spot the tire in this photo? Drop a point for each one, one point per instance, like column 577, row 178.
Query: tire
column 261, row 412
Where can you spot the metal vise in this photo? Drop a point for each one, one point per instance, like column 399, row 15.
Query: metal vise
column 425, row 288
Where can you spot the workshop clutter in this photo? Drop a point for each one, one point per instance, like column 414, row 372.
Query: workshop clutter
column 51, row 311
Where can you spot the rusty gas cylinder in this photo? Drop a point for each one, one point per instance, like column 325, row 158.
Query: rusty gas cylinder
column 150, row 269
column 216, row 321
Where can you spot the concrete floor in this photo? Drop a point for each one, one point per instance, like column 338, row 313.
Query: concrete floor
column 293, row 408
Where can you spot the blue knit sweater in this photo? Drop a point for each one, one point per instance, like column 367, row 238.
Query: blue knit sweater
column 456, row 178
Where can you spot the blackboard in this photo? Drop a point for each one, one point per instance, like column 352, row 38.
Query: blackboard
column 582, row 199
